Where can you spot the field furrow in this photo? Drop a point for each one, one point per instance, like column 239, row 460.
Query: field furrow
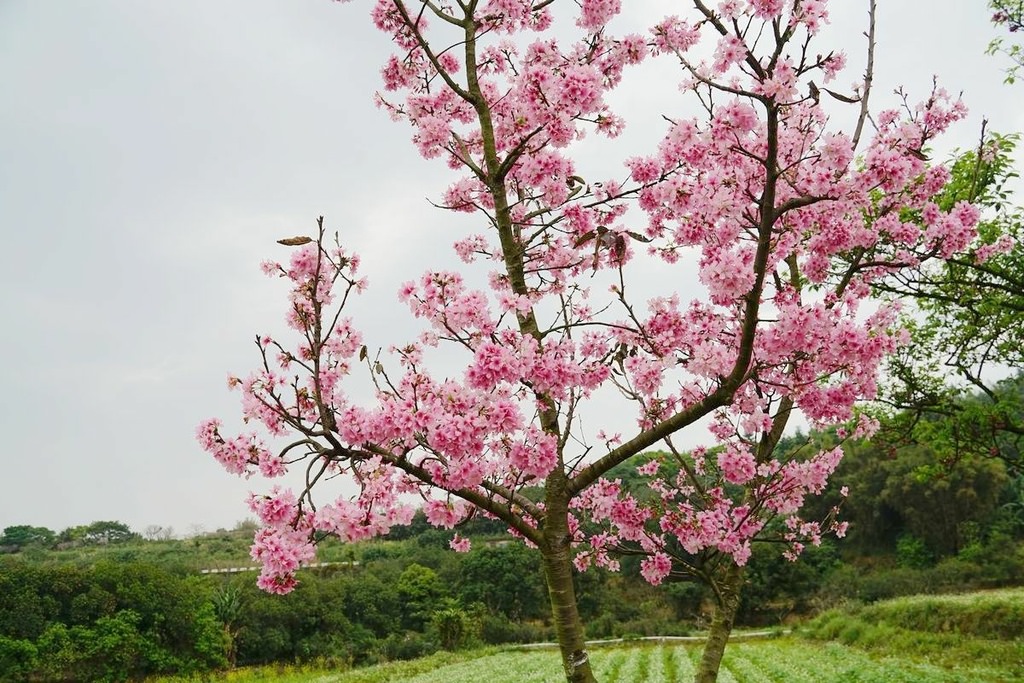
column 743, row 669
column 684, row 667
column 656, row 664
column 724, row 675
column 607, row 665
column 798, row 662
column 773, row 662
column 630, row 670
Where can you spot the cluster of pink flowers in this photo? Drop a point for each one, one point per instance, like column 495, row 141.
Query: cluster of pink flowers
column 242, row 454
column 281, row 551
column 712, row 520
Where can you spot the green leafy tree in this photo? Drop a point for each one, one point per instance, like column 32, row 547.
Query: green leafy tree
column 114, row 649
column 906, row 495
column 108, row 532
column 98, row 533
column 110, row 650
column 267, row 630
column 227, row 607
column 420, row 590
column 507, row 579
column 23, row 612
column 209, row 643
column 92, row 603
column 939, row 506
column 24, row 535
column 327, row 618
column 777, row 587
column 58, row 654
column 949, row 386
column 452, row 625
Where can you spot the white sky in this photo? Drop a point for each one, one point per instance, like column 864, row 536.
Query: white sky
column 151, row 153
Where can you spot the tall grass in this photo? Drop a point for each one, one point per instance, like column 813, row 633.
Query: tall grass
column 984, row 628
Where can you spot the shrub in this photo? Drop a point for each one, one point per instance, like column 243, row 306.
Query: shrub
column 913, row 553
column 452, row 626
column 410, row 645
column 17, row 658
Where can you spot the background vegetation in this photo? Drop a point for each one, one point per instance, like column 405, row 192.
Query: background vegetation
column 969, row 638
column 101, row 602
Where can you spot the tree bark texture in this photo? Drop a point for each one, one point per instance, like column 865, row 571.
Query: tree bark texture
column 729, row 591
column 558, row 569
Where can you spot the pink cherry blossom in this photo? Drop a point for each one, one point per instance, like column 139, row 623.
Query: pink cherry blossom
column 460, row 544
column 655, row 568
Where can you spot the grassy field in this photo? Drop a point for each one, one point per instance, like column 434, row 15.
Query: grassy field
column 973, row 638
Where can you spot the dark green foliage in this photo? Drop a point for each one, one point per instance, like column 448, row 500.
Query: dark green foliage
column 98, row 533
column 420, row 590
column 370, row 602
column 476, row 526
column 314, row 622
column 913, row 553
column 18, row 658
column 615, row 605
column 905, row 492
column 777, row 587
column 505, row 577
column 17, row 537
column 453, row 626
column 108, row 622
column 24, row 613
column 405, row 646
column 497, row 629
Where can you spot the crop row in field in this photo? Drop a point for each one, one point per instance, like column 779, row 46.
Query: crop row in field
column 786, row 661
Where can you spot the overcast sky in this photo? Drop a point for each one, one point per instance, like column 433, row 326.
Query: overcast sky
column 151, row 153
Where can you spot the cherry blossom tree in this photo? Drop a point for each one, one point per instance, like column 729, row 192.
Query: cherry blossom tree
column 785, row 219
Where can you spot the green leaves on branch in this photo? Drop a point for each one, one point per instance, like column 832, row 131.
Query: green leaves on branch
column 960, row 379
column 1008, row 14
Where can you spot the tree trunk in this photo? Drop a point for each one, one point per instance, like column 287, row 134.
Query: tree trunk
column 721, row 624
column 231, row 646
column 568, row 626
column 557, row 560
